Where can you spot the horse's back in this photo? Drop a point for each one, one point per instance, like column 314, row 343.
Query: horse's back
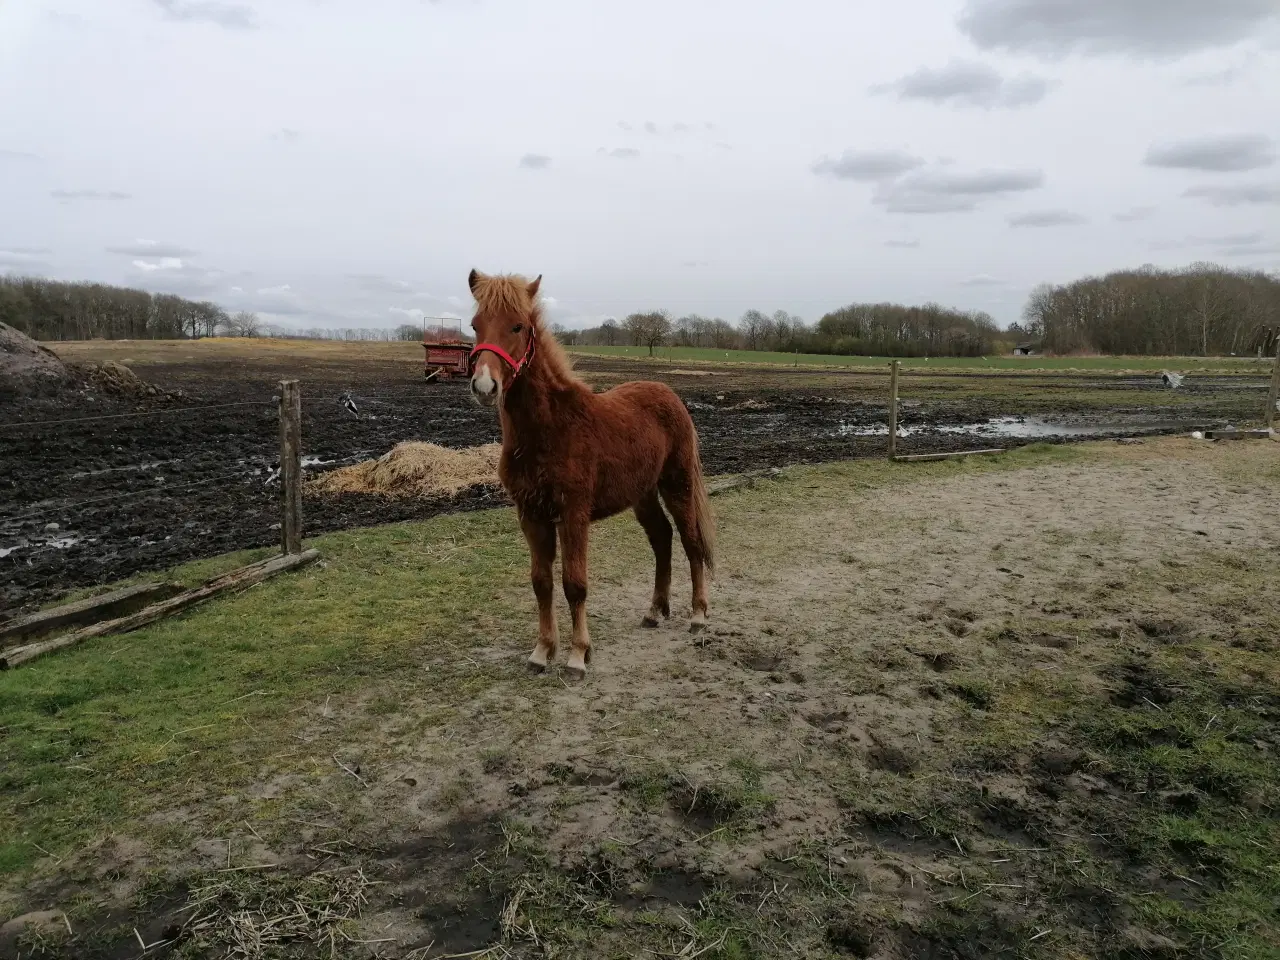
column 636, row 398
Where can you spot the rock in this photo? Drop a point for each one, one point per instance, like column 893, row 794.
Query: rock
column 51, row 528
column 42, row 920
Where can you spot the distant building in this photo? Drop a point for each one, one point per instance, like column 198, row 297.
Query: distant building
column 1023, row 350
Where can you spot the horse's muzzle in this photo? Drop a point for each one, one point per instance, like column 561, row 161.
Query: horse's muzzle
column 484, row 388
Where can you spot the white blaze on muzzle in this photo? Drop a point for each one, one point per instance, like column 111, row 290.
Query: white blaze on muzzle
column 486, row 379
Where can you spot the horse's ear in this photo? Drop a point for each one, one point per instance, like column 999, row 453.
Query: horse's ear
column 474, row 278
column 533, row 286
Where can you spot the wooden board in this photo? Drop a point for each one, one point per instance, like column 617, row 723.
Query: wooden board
column 1236, row 434
column 107, row 606
column 239, row 579
column 920, row 457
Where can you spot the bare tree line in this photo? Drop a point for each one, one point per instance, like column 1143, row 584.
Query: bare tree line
column 869, row 329
column 1202, row 310
column 52, row 310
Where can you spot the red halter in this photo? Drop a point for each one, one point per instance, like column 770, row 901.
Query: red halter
column 494, row 348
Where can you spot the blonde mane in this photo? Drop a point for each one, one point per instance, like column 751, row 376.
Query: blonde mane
column 509, row 294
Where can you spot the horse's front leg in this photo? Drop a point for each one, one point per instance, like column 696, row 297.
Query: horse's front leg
column 573, row 560
column 542, row 554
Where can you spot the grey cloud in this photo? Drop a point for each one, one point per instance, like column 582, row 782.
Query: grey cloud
column 282, row 299
column 18, row 156
column 902, row 244
column 287, row 134
column 231, row 16
column 1215, row 154
column 1243, row 195
column 535, row 161
column 173, row 275
column 1046, row 218
column 1214, row 78
column 1134, row 214
column 968, row 84
column 1249, row 250
column 650, row 127
column 1145, row 27
column 22, row 259
column 68, row 195
column 378, row 283
column 982, row 280
column 1231, row 244
column 946, row 192
column 867, row 166
column 624, row 125
column 151, row 248
column 621, row 153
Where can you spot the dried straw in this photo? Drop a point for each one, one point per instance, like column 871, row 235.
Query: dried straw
column 415, row 469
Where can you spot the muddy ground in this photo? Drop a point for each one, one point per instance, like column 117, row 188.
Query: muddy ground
column 91, row 493
column 1017, row 708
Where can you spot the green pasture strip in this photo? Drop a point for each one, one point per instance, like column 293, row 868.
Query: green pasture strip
column 709, row 355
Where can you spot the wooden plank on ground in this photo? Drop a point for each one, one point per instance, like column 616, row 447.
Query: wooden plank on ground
column 724, row 484
column 107, row 606
column 1237, row 434
column 920, row 457
column 235, row 580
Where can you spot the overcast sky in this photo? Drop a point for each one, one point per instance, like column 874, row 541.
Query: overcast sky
column 333, row 162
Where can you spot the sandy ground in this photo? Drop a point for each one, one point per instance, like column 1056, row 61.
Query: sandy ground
column 849, row 762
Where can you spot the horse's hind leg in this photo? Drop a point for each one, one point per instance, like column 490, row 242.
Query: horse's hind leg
column 649, row 513
column 573, row 560
column 679, row 500
column 542, row 553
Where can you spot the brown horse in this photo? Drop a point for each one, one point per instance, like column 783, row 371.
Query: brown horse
column 571, row 457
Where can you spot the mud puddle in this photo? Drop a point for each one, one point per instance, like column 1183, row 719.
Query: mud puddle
column 1016, row 428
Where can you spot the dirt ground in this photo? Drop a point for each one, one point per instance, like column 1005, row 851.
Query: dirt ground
column 89, row 501
column 1022, row 708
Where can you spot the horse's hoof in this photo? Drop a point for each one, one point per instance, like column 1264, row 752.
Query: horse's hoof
column 576, row 674
column 697, row 626
column 534, row 667
column 649, row 622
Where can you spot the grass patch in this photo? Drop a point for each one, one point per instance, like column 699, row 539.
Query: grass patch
column 711, row 355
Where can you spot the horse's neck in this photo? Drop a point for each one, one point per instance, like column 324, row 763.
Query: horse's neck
column 535, row 404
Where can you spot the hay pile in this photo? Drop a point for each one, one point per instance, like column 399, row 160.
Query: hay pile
column 415, row 469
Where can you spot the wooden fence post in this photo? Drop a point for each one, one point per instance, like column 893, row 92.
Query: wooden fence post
column 1274, row 395
column 893, row 409
column 290, row 467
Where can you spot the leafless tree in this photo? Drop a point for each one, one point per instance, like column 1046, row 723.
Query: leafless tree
column 244, row 323
column 754, row 327
column 648, row 329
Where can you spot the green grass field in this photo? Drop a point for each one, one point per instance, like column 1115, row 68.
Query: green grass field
column 709, row 355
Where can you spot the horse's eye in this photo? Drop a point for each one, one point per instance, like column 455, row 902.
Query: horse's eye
column 517, row 328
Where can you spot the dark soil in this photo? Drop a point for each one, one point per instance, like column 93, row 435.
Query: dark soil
column 96, row 485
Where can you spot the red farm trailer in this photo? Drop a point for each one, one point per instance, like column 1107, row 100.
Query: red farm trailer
column 447, row 353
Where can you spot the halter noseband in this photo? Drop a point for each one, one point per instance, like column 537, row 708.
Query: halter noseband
column 494, row 348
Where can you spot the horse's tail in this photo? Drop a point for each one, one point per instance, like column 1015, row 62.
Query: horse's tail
column 703, row 519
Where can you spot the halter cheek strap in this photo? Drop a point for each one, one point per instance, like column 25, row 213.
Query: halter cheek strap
column 494, row 348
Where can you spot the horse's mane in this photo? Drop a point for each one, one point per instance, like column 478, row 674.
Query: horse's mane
column 509, row 294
